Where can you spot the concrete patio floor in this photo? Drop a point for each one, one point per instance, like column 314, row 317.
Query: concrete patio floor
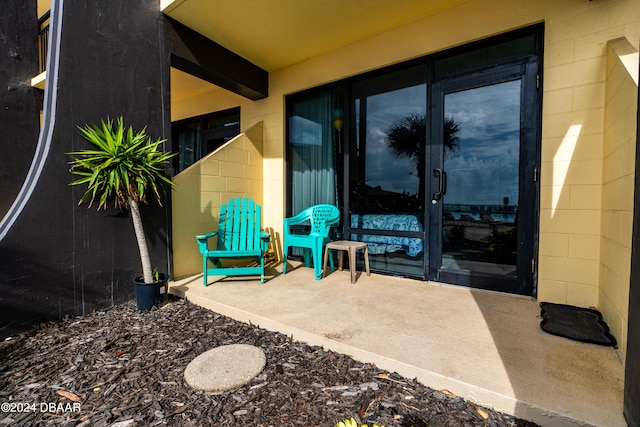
column 486, row 347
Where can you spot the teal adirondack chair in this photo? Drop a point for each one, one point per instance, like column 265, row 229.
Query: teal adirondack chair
column 239, row 236
column 320, row 218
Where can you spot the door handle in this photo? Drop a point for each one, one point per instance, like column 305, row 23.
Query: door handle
column 442, row 185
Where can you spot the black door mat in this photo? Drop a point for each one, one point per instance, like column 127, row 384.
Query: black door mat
column 580, row 324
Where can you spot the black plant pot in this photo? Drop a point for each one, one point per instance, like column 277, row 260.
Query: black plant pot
column 150, row 294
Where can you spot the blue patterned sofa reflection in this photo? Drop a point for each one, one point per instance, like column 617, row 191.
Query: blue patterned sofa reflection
column 380, row 244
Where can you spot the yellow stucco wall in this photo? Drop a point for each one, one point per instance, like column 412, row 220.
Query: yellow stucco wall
column 621, row 100
column 573, row 163
column 234, row 170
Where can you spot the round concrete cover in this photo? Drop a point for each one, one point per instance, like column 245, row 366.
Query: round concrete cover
column 225, row 368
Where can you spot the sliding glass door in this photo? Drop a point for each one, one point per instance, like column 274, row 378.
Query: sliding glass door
column 433, row 163
column 387, row 169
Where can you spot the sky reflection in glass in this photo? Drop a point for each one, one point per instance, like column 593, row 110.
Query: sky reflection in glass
column 483, row 169
column 383, row 168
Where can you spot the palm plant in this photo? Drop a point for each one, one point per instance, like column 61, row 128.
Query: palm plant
column 126, row 167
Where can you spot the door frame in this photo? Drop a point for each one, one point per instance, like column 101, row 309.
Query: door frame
column 529, row 182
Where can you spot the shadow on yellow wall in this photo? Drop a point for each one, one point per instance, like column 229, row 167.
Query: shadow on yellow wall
column 233, row 170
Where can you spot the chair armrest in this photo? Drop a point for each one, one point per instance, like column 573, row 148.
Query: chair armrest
column 203, row 240
column 206, row 236
column 264, row 241
column 297, row 219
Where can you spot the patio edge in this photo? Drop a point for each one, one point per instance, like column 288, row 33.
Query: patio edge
column 478, row 395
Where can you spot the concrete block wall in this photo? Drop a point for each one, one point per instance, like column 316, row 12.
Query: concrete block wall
column 233, row 170
column 621, row 99
column 573, row 159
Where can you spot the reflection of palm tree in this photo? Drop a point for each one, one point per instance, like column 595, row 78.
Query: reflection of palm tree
column 408, row 138
column 450, row 131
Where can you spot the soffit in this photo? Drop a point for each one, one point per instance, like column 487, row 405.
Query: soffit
column 184, row 85
column 274, row 34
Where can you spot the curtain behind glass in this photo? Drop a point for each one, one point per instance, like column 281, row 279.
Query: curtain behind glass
column 311, row 141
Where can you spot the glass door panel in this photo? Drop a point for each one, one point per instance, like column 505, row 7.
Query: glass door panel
column 387, row 170
column 480, row 206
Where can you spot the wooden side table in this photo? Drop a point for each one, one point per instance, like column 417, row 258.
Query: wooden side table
column 351, row 248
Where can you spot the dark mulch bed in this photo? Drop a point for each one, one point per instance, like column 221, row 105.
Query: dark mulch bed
column 125, row 368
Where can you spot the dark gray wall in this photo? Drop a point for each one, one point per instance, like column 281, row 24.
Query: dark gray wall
column 632, row 364
column 58, row 258
column 19, row 103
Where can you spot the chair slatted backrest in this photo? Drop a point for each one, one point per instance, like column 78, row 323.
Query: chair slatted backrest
column 239, row 227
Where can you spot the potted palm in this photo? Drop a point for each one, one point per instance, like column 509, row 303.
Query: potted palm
column 125, row 166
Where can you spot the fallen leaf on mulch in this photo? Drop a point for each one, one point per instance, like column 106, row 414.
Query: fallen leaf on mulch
column 450, row 393
column 69, row 395
column 387, row 377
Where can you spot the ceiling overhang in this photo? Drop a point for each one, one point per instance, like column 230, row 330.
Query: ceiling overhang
column 199, row 56
column 277, row 34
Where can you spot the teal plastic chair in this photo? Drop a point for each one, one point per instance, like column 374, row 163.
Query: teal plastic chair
column 319, row 218
column 239, row 237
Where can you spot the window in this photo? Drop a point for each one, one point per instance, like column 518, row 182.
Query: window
column 314, row 147
column 388, row 157
column 198, row 136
